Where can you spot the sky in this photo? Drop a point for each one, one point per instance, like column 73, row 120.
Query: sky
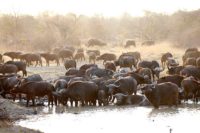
column 102, row 7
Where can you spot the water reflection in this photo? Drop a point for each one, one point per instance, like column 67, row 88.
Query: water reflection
column 115, row 119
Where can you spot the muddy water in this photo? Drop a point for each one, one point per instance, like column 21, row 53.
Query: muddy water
column 184, row 119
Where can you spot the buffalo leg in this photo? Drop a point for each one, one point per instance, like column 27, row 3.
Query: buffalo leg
column 27, row 101
column 33, row 101
column 76, row 103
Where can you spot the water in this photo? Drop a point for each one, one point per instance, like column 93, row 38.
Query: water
column 184, row 119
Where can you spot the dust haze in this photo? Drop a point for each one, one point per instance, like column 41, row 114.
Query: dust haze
column 46, row 31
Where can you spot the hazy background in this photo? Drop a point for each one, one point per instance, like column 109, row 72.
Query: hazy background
column 45, row 24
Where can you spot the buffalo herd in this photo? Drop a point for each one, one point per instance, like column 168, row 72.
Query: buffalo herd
column 121, row 80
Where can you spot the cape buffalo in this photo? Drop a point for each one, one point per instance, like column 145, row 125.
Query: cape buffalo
column 50, row 57
column 130, row 43
column 21, row 66
column 69, row 64
column 153, row 65
column 107, row 57
column 84, row 91
column 162, row 94
column 33, row 89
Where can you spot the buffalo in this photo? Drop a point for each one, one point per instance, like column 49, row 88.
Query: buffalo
column 126, row 61
column 107, row 57
column 153, row 65
column 8, row 68
column 135, row 54
column 123, row 99
column 21, row 66
column 175, row 70
column 99, row 72
column 191, row 88
column 79, row 56
column 144, row 72
column 130, row 43
column 69, row 63
column 191, row 71
column 50, row 57
column 164, row 58
column 176, row 79
column 110, row 66
column 13, row 55
column 148, row 43
column 33, row 89
column 162, row 94
column 126, row 85
column 65, row 53
column 84, row 91
column 96, row 42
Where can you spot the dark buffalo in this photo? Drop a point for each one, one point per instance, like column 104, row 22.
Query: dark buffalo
column 110, row 66
column 162, row 94
column 153, row 65
column 175, row 70
column 164, row 58
column 139, row 78
column 102, row 97
column 60, row 84
column 7, row 83
column 33, row 89
column 130, row 43
column 126, row 61
column 171, row 62
column 126, row 85
column 97, row 52
column 84, row 67
column 107, row 57
column 191, row 50
column 176, row 79
column 75, row 79
column 13, row 55
column 8, row 68
column 145, row 72
column 86, row 92
column 190, row 61
column 34, row 77
column 21, row 66
column 191, row 54
column 69, row 64
column 65, row 53
column 148, row 43
column 135, row 54
column 96, row 42
column 190, row 71
column 99, row 72
column 71, row 48
column 191, row 88
column 92, row 57
column 79, row 56
column 29, row 58
column 50, row 57
column 72, row 71
column 123, row 99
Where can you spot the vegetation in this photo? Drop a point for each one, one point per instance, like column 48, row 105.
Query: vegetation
column 45, row 31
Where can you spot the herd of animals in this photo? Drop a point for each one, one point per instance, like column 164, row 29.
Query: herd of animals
column 126, row 80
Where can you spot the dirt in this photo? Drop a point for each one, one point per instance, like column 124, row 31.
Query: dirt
column 9, row 113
